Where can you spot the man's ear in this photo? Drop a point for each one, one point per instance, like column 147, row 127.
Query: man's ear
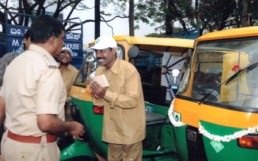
column 52, row 41
column 114, row 50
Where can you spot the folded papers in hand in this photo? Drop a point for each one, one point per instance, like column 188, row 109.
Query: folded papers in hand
column 102, row 80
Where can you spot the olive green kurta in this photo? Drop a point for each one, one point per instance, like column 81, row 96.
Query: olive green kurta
column 124, row 112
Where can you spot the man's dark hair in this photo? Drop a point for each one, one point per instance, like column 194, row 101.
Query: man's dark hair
column 27, row 34
column 43, row 27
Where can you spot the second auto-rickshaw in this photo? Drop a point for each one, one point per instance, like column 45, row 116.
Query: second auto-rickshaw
column 216, row 108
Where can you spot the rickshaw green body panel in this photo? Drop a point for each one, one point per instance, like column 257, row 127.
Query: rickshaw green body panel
column 78, row 148
column 217, row 150
column 93, row 125
column 180, row 136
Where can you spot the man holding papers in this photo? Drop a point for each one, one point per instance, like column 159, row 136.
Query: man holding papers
column 117, row 87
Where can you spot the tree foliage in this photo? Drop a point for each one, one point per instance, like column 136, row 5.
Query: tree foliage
column 40, row 7
column 57, row 7
column 215, row 13
column 252, row 11
column 206, row 15
column 165, row 11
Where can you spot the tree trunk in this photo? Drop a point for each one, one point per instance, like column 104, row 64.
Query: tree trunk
column 244, row 14
column 197, row 15
column 131, row 17
column 168, row 17
column 97, row 18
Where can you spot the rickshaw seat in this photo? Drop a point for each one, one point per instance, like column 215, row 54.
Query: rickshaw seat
column 154, row 118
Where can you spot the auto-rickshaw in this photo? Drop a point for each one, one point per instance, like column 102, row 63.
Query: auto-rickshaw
column 154, row 58
column 215, row 112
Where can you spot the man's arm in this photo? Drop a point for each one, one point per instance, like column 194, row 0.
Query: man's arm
column 51, row 124
column 2, row 110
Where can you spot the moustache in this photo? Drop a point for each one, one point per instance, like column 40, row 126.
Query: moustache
column 100, row 58
column 64, row 63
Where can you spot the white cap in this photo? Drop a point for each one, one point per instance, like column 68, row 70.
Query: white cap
column 68, row 50
column 104, row 42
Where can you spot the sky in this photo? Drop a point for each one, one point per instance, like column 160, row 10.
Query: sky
column 120, row 26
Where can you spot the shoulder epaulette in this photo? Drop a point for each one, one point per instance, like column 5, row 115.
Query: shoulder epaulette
column 50, row 63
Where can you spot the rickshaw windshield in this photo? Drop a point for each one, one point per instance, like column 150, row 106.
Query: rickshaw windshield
column 214, row 62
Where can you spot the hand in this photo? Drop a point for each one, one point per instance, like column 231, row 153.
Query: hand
column 68, row 100
column 97, row 90
column 76, row 129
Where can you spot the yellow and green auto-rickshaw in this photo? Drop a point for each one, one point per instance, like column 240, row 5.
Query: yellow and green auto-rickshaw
column 154, row 58
column 215, row 112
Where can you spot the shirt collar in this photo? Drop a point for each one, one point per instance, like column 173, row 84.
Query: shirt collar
column 42, row 51
column 115, row 66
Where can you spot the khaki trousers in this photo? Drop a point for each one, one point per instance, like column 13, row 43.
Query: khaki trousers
column 118, row 152
column 1, row 158
column 12, row 150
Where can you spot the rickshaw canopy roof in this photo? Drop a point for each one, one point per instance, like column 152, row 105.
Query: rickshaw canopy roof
column 229, row 34
column 157, row 41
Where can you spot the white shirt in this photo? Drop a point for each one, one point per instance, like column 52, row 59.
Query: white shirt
column 32, row 85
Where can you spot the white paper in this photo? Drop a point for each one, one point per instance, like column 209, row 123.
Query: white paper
column 102, row 80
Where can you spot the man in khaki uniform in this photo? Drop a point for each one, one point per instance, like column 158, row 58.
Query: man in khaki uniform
column 69, row 73
column 124, row 113
column 34, row 95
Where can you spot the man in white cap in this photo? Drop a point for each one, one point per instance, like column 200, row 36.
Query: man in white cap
column 69, row 73
column 124, row 114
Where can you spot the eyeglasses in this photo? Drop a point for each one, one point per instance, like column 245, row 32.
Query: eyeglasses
column 63, row 54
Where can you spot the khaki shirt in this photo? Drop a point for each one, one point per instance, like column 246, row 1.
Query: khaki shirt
column 32, row 85
column 124, row 112
column 69, row 76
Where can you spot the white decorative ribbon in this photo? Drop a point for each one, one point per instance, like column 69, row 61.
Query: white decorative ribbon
column 175, row 119
column 227, row 138
column 172, row 115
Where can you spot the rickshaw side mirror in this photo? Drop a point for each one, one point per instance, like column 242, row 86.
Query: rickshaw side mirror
column 175, row 73
column 174, row 88
column 133, row 52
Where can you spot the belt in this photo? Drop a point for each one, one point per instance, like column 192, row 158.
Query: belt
column 30, row 139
